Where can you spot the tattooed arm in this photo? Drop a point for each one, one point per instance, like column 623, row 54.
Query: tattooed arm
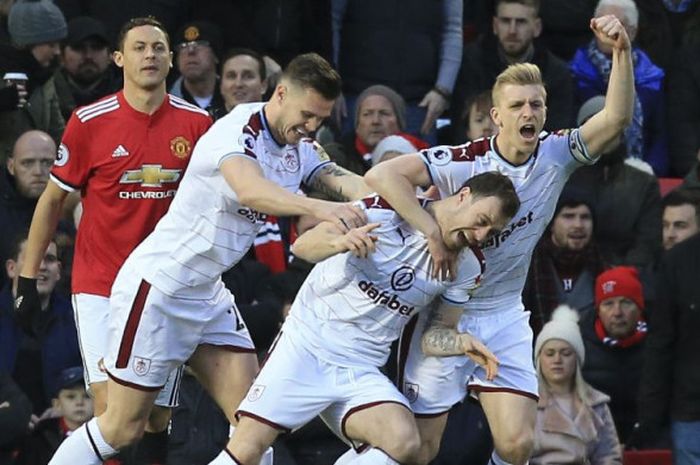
column 340, row 184
column 442, row 339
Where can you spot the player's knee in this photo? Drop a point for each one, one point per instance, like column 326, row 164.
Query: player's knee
column 429, row 449
column 158, row 420
column 121, row 434
column 247, row 452
column 517, row 448
column 404, row 446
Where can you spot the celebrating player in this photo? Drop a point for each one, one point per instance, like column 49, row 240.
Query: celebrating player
column 126, row 154
column 168, row 303
column 349, row 310
column 538, row 164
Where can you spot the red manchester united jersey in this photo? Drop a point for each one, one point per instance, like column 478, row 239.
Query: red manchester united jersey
column 127, row 166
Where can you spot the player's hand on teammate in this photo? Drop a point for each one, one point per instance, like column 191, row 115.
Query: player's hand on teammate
column 444, row 261
column 358, row 241
column 27, row 303
column 478, row 352
column 344, row 215
column 609, row 30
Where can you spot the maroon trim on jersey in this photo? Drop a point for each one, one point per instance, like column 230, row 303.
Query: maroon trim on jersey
column 265, row 421
column 359, row 408
column 269, row 351
column 430, row 415
column 231, row 348
column 138, row 387
column 404, row 346
column 376, row 201
column 53, row 173
column 479, row 256
column 253, row 128
column 479, row 388
column 471, row 150
column 132, row 324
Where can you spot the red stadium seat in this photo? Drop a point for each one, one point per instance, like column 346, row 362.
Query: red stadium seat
column 647, row 457
column 666, row 185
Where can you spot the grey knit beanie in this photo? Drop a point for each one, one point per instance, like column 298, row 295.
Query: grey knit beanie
column 35, row 22
column 396, row 101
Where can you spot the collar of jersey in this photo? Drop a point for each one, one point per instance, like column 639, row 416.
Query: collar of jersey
column 266, row 128
column 495, row 150
column 139, row 114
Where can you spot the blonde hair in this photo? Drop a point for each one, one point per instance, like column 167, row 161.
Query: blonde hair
column 580, row 387
column 519, row 74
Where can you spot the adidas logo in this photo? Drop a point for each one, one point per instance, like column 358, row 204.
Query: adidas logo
column 120, row 152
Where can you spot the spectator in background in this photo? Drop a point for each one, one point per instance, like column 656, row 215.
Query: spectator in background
column 22, row 180
column 197, row 46
column 683, row 111
column 36, row 28
column 574, row 424
column 475, row 120
column 645, row 138
column 35, row 349
column 625, row 199
column 380, row 112
column 412, row 46
column 565, row 25
column 243, row 79
column 670, row 385
column 565, row 262
column 681, row 216
column 72, row 407
column 614, row 336
column 15, row 411
column 516, row 26
column 86, row 73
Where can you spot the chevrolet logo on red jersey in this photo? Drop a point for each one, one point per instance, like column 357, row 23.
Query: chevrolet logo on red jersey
column 151, row 176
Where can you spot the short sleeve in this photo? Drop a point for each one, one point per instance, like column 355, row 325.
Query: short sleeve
column 469, row 271
column 448, row 169
column 566, row 147
column 313, row 157
column 73, row 159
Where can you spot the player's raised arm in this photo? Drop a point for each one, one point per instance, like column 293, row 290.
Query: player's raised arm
column 442, row 339
column 396, row 181
column 605, row 126
column 325, row 240
column 255, row 191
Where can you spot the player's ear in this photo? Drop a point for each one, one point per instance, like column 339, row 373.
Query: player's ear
column 118, row 58
column 495, row 117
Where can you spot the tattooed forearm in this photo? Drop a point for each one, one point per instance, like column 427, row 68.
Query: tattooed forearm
column 339, row 184
column 440, row 341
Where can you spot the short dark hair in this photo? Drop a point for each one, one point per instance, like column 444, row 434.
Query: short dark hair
column 683, row 196
column 532, row 3
column 310, row 70
column 137, row 22
column 234, row 52
column 495, row 184
column 16, row 244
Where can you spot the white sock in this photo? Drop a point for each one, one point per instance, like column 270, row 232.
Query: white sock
column 85, row 446
column 371, row 456
column 225, row 458
column 347, row 457
column 267, row 457
column 497, row 460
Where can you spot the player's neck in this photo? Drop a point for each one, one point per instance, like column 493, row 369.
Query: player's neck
column 144, row 100
column 509, row 151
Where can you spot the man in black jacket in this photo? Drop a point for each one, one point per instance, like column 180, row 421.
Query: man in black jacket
column 670, row 386
column 516, row 27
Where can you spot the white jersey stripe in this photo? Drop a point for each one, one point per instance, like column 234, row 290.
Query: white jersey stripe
column 186, row 106
column 62, row 184
column 96, row 106
column 97, row 113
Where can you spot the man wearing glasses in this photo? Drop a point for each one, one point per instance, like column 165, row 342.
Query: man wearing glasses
column 198, row 45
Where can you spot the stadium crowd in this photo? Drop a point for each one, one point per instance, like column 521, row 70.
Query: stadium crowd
column 611, row 289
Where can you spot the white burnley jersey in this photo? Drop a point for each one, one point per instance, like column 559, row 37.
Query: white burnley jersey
column 349, row 310
column 207, row 230
column 538, row 183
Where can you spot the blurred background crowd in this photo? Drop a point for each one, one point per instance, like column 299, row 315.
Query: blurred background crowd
column 621, row 253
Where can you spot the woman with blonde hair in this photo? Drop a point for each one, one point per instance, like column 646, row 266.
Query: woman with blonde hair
column 574, row 424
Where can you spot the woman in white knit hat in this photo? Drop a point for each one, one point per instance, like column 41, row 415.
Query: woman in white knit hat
column 574, row 424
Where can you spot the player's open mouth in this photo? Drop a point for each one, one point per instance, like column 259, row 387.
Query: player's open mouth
column 528, row 131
